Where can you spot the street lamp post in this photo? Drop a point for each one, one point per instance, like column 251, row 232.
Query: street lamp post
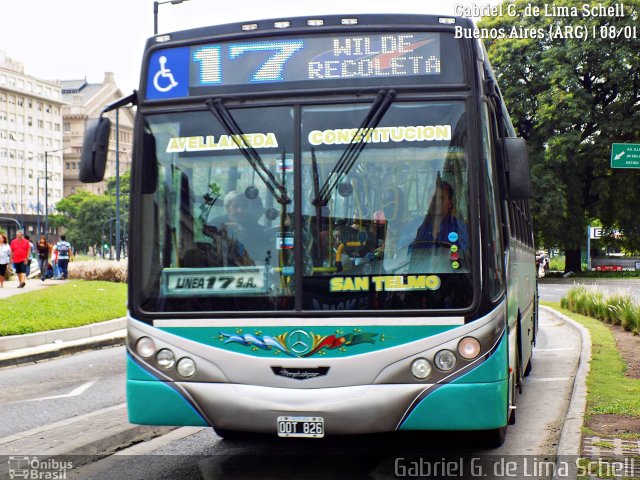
column 8, row 219
column 117, row 184
column 38, row 203
column 22, row 192
column 109, row 220
column 155, row 12
column 46, row 188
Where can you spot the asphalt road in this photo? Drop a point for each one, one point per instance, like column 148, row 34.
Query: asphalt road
column 43, row 393
column 199, row 453
column 553, row 289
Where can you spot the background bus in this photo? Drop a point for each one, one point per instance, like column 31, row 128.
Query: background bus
column 330, row 231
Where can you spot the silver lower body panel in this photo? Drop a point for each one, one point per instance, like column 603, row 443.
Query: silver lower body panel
column 346, row 410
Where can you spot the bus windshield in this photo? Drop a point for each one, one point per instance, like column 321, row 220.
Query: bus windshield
column 382, row 218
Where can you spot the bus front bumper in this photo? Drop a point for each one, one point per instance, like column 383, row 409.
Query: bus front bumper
column 345, row 410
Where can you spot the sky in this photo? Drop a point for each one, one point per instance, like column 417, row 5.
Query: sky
column 75, row 39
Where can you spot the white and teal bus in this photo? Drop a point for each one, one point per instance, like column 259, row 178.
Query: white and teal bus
column 329, row 230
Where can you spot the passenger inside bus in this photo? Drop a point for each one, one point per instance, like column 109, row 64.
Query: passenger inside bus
column 441, row 226
column 239, row 239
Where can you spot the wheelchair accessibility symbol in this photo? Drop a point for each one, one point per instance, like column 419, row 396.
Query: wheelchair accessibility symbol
column 163, row 80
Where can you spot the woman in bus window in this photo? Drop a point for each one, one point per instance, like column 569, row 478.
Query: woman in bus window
column 441, row 226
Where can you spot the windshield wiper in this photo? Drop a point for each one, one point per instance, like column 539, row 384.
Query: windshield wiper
column 378, row 108
column 231, row 127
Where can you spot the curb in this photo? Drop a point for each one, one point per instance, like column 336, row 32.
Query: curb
column 33, row 347
column 17, row 342
column 571, row 435
column 75, row 439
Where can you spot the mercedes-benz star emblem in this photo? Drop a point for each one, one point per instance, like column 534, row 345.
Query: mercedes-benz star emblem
column 299, row 342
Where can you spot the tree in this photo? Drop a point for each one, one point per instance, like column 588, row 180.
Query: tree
column 570, row 98
column 82, row 215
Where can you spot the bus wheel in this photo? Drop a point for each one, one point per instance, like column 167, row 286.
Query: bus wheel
column 494, row 438
column 527, row 370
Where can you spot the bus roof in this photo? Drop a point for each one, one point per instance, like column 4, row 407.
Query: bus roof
column 282, row 25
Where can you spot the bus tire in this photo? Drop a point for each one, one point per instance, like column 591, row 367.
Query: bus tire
column 511, row 412
column 527, row 370
column 494, row 438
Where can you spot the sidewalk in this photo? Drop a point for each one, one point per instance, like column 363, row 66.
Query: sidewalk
column 603, row 456
column 11, row 286
column 33, row 347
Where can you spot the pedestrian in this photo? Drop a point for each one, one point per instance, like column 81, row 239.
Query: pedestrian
column 32, row 250
column 54, row 264
column 5, row 258
column 20, row 250
column 44, row 250
column 65, row 253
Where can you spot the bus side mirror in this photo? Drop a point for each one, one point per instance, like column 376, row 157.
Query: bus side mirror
column 517, row 168
column 94, row 150
column 149, row 164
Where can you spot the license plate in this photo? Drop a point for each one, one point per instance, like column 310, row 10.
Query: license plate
column 309, row 427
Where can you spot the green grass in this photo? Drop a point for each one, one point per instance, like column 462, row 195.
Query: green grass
column 73, row 304
column 557, row 263
column 607, row 445
column 608, row 390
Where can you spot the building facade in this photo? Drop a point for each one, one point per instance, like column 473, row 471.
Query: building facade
column 84, row 101
column 31, row 147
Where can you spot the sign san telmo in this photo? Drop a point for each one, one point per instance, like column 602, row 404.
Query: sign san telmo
column 625, row 155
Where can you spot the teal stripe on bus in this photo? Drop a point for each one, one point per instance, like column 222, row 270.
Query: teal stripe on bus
column 153, row 402
column 332, row 342
column 475, row 401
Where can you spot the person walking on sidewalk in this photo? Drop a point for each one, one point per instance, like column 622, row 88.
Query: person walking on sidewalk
column 5, row 258
column 20, row 250
column 44, row 250
column 65, row 253
column 32, row 252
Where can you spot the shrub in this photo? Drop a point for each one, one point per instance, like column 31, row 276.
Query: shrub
column 628, row 318
column 616, row 308
column 616, row 304
column 110, row 271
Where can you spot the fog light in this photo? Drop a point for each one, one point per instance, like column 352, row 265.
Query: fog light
column 165, row 358
column 186, row 367
column 145, row 347
column 445, row 360
column 469, row 348
column 421, row 368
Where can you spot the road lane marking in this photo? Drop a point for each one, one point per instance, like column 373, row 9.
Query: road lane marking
column 74, row 393
column 63, row 423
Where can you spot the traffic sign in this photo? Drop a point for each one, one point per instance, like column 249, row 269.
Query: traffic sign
column 625, row 155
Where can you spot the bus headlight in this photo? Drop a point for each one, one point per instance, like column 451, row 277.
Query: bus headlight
column 421, row 368
column 186, row 367
column 445, row 360
column 165, row 358
column 469, row 348
column 145, row 347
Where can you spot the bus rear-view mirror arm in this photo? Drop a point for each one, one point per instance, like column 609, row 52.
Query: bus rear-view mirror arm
column 95, row 146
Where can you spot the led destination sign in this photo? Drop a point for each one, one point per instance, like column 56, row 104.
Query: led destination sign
column 199, row 69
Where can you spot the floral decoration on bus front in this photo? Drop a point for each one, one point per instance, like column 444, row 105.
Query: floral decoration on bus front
column 300, row 343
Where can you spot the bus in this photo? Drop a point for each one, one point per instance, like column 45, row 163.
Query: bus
column 329, row 232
